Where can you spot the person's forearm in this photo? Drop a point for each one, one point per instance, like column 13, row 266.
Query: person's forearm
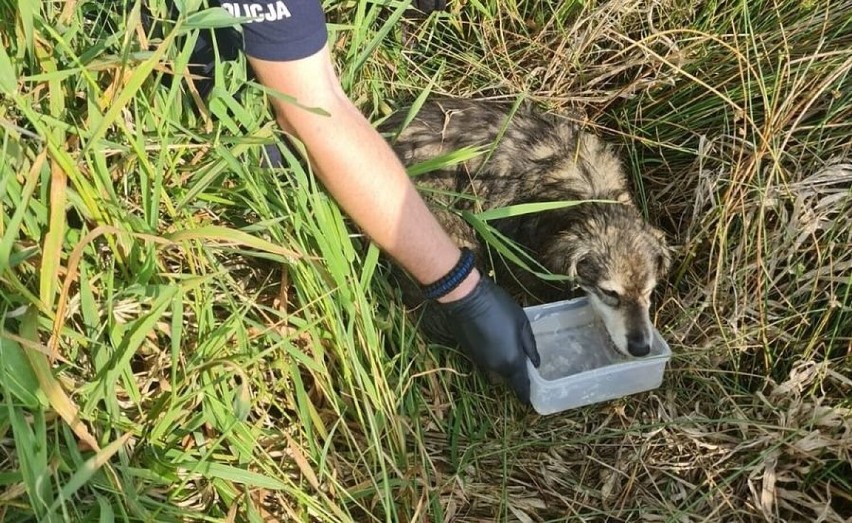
column 363, row 174
column 367, row 180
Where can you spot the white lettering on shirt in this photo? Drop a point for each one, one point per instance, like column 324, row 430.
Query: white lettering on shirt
column 268, row 12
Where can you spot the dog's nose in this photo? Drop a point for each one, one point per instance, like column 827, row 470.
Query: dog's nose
column 638, row 346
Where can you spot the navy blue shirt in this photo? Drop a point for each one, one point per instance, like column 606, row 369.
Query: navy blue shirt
column 281, row 30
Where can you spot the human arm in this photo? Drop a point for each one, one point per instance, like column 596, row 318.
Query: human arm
column 359, row 169
column 364, row 176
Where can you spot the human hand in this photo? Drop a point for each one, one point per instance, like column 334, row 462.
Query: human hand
column 495, row 332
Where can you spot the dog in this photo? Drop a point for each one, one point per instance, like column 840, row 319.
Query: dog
column 603, row 246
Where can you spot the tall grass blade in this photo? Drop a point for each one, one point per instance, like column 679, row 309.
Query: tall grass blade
column 8, row 76
column 511, row 250
column 509, row 211
column 52, row 251
column 129, row 90
column 19, row 380
column 226, row 236
column 48, row 384
column 84, row 474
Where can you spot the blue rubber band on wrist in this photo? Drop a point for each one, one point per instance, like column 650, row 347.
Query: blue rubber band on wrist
column 452, row 279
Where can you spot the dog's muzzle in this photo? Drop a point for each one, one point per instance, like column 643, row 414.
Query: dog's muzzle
column 638, row 344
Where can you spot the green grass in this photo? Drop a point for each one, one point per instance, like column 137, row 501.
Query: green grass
column 188, row 336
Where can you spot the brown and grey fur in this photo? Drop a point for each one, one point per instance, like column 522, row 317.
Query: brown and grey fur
column 607, row 249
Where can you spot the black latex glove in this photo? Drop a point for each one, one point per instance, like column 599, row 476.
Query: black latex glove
column 494, row 331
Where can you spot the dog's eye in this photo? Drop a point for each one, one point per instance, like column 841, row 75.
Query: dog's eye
column 610, row 297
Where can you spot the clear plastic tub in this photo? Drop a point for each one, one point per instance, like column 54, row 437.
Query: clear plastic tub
column 579, row 364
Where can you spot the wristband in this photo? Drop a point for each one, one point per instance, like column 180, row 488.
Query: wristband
column 452, row 279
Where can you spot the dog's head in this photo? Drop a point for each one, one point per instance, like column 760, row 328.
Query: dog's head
column 617, row 259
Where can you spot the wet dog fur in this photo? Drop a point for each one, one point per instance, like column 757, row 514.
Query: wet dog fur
column 607, row 249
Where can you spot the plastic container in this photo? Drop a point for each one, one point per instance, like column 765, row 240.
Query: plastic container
column 579, row 364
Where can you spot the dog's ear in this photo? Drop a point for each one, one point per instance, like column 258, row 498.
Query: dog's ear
column 563, row 255
column 625, row 198
column 664, row 258
column 664, row 261
column 589, row 269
